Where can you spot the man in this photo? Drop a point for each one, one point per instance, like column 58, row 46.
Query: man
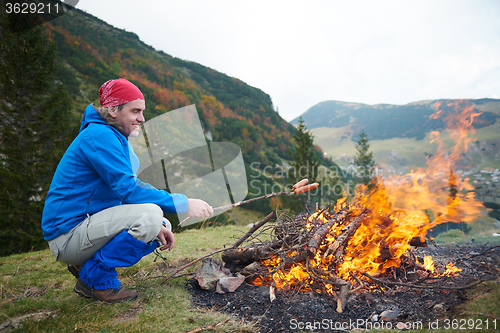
column 97, row 214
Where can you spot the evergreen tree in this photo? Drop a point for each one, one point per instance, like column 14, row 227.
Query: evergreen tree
column 34, row 112
column 304, row 165
column 364, row 159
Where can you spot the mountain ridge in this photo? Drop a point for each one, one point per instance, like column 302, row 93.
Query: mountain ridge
column 400, row 134
column 91, row 51
column 386, row 121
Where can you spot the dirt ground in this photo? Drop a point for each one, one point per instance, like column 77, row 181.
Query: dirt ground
column 382, row 307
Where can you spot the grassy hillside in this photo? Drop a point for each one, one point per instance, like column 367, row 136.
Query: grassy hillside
column 91, row 52
column 37, row 293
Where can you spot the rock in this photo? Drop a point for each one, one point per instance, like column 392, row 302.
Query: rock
column 389, row 315
column 439, row 306
column 412, row 276
column 229, row 284
column 209, row 273
column 253, row 268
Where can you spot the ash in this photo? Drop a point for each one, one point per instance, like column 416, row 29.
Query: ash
column 382, row 307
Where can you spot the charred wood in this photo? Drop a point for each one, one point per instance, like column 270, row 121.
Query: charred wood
column 320, row 234
column 247, row 255
column 347, row 234
column 418, row 242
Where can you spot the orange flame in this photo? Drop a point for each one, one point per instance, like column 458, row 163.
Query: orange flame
column 402, row 207
column 429, row 264
column 451, row 270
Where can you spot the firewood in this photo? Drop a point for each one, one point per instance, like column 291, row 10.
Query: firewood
column 321, row 233
column 238, row 242
column 347, row 234
column 332, row 279
column 247, row 255
column 253, row 229
column 418, row 242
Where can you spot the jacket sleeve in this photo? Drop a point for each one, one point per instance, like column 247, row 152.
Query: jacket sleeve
column 108, row 154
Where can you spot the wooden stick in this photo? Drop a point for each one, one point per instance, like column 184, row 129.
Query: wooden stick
column 238, row 242
column 298, row 188
column 242, row 203
column 253, row 229
column 192, row 263
column 320, row 234
column 209, row 327
column 350, row 230
column 389, row 283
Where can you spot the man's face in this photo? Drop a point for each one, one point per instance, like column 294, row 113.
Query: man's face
column 130, row 116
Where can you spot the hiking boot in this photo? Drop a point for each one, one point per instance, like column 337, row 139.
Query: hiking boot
column 75, row 270
column 104, row 295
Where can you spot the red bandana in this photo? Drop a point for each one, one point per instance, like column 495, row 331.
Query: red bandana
column 117, row 92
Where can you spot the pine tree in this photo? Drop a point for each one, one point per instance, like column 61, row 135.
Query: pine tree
column 35, row 115
column 364, row 159
column 305, row 162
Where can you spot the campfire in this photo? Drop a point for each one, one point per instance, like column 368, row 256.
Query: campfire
column 356, row 244
column 362, row 253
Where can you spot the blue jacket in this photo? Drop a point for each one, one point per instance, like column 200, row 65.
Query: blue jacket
column 95, row 173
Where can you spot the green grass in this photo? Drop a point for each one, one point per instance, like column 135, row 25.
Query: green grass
column 33, row 283
column 481, row 231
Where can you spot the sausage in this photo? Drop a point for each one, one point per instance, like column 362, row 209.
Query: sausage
column 306, row 188
column 300, row 184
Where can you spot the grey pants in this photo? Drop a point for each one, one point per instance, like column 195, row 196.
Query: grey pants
column 143, row 222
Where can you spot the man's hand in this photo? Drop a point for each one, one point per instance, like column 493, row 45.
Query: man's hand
column 166, row 238
column 199, row 208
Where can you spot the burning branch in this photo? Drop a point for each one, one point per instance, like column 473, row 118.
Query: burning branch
column 320, row 234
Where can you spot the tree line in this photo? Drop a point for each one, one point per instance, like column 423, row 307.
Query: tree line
column 34, row 131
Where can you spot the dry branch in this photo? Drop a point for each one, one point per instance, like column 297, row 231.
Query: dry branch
column 332, row 279
column 191, row 263
column 238, row 242
column 346, row 235
column 390, row 283
column 209, row 327
column 253, row 229
column 321, row 233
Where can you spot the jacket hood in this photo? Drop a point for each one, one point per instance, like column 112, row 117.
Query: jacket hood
column 91, row 116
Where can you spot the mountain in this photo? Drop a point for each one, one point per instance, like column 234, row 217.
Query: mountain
column 399, row 134
column 90, row 52
column 386, row 121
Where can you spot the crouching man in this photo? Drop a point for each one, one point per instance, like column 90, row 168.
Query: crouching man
column 96, row 217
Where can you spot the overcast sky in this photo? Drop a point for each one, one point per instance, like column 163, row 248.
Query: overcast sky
column 305, row 52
